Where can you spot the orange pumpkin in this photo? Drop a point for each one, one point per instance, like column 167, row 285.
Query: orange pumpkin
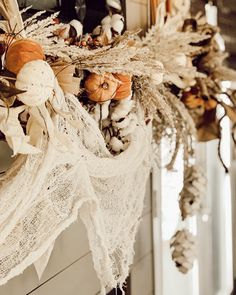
column 124, row 88
column 22, row 51
column 101, row 88
column 192, row 101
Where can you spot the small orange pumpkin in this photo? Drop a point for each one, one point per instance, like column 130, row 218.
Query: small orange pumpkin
column 22, row 51
column 101, row 88
column 192, row 101
column 124, row 88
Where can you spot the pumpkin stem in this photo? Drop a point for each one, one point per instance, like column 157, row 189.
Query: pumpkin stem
column 105, row 85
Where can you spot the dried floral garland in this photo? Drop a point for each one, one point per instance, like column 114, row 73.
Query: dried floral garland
column 69, row 163
column 87, row 111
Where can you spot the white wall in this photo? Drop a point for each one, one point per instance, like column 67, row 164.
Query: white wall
column 137, row 12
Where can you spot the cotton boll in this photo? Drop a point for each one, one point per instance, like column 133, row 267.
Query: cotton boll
column 117, row 27
column 127, row 104
column 117, row 17
column 116, row 144
column 72, row 30
column 130, row 128
column 77, row 26
column 114, row 4
column 106, row 20
column 123, row 123
column 122, row 110
column 117, row 23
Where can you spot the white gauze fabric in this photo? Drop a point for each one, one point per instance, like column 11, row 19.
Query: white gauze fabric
column 41, row 194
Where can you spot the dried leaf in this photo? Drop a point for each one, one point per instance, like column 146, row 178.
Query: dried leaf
column 207, row 126
column 8, row 93
column 10, row 126
column 64, row 74
column 208, row 132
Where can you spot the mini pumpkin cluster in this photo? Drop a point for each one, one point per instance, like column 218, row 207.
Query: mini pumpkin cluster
column 101, row 88
column 34, row 85
column 108, row 95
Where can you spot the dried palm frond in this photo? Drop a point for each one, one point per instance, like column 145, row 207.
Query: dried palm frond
column 119, row 59
column 152, row 100
column 42, row 30
column 169, row 43
column 10, row 11
column 180, row 131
